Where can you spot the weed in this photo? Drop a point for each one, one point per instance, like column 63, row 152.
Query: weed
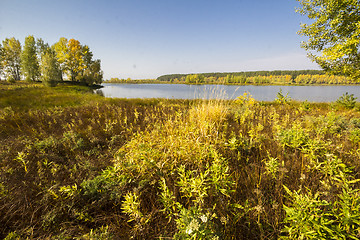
column 101, row 233
column 281, row 98
column 321, row 216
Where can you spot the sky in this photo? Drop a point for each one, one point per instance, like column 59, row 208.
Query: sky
column 142, row 39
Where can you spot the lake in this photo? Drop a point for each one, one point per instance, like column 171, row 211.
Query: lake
column 261, row 93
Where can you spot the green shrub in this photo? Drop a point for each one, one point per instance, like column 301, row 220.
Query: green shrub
column 11, row 79
column 347, row 101
column 281, row 98
column 333, row 212
column 295, row 137
column 194, row 224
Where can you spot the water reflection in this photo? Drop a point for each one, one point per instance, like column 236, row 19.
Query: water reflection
column 99, row 92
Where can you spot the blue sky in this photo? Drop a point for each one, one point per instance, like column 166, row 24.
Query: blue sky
column 149, row 38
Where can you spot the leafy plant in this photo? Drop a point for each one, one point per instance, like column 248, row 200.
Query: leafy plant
column 272, row 166
column 305, row 106
column 131, row 206
column 328, row 214
column 347, row 101
column 295, row 137
column 194, row 224
column 246, row 99
column 281, row 98
column 101, row 233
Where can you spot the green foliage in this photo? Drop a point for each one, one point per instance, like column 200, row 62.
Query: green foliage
column 50, row 69
column 194, row 79
column 271, row 77
column 11, row 79
column 347, row 100
column 10, row 60
column 93, row 74
column 355, row 135
column 76, row 61
column 13, row 236
column 300, row 77
column 29, row 60
column 295, row 137
column 333, row 213
column 131, row 206
column 305, row 106
column 101, row 233
column 334, row 33
column 280, row 98
column 246, row 99
column 272, row 166
column 38, row 60
column 194, row 224
column 1, row 58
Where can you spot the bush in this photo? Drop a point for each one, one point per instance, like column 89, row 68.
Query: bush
column 347, row 101
column 11, row 79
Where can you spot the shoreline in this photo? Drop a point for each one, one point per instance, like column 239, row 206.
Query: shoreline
column 229, row 84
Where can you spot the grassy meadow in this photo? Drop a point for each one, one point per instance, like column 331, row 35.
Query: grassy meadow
column 75, row 165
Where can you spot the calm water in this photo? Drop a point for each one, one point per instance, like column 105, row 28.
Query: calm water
column 261, row 93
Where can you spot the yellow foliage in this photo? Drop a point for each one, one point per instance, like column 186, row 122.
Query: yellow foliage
column 246, row 99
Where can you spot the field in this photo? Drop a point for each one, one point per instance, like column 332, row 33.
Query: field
column 75, row 165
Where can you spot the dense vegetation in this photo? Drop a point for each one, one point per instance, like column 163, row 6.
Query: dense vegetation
column 37, row 61
column 78, row 166
column 300, row 77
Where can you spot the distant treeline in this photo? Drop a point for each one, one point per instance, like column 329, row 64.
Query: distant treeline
column 258, row 77
column 129, row 80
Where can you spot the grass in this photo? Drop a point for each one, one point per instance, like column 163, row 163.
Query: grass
column 24, row 96
column 79, row 166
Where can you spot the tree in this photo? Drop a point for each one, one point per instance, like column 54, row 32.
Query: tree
column 334, row 33
column 77, row 62
column 29, row 60
column 61, row 51
column 1, row 56
column 87, row 55
column 11, row 61
column 42, row 47
column 50, row 69
column 93, row 74
column 194, row 79
column 75, row 59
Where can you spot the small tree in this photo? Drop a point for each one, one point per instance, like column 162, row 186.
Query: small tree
column 347, row 100
column 50, row 69
column 29, row 60
column 75, row 59
column 93, row 74
column 61, row 51
column 10, row 60
column 1, row 56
